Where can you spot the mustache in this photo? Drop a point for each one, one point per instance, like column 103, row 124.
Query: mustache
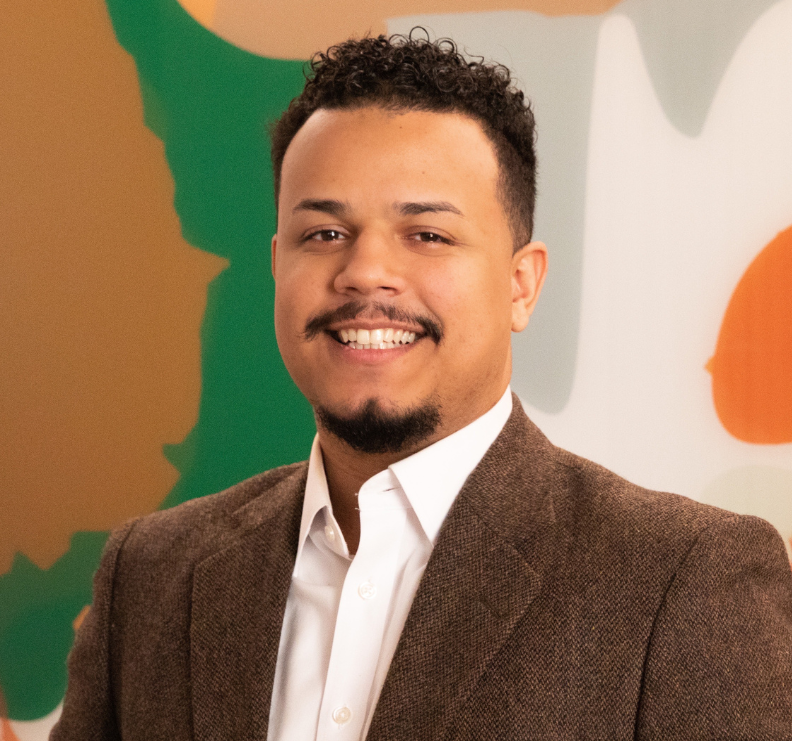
column 433, row 328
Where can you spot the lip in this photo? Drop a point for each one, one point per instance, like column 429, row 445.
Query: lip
column 382, row 323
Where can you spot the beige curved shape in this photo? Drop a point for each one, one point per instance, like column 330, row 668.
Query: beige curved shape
column 298, row 28
column 101, row 299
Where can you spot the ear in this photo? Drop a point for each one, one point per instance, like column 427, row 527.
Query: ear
column 529, row 267
column 273, row 248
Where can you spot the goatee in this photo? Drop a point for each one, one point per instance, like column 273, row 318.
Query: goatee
column 372, row 430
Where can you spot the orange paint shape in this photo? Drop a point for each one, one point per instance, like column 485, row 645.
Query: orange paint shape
column 752, row 366
column 6, row 732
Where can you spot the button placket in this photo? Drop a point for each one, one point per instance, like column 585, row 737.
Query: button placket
column 367, row 590
column 361, row 620
column 342, row 715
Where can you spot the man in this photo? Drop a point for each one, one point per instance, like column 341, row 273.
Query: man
column 437, row 569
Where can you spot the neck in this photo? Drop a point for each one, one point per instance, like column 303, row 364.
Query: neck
column 346, row 471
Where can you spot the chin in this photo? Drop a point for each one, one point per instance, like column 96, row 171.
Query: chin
column 376, row 428
column 353, row 400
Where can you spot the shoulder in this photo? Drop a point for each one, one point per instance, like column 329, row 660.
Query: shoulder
column 191, row 530
column 610, row 527
column 601, row 500
column 598, row 501
column 644, row 540
column 526, row 484
column 593, row 506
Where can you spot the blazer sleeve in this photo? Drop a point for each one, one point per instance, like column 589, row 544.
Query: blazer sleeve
column 719, row 664
column 88, row 712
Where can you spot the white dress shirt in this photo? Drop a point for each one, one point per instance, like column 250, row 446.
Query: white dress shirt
column 344, row 614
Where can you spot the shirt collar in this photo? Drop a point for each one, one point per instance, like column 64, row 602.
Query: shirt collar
column 317, row 495
column 430, row 478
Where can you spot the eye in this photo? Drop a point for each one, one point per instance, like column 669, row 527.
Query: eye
column 430, row 237
column 325, row 235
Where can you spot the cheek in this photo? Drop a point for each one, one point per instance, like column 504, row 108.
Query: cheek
column 284, row 311
column 295, row 287
column 290, row 319
column 474, row 301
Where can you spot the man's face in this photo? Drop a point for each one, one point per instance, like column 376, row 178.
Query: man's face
column 391, row 230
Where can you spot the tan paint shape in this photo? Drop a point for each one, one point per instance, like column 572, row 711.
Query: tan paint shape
column 101, row 299
column 202, row 10
column 78, row 621
column 298, row 28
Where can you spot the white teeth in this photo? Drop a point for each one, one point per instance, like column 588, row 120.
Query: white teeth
column 376, row 339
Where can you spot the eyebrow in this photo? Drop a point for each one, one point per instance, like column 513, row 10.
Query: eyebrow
column 323, row 205
column 427, row 207
column 337, row 208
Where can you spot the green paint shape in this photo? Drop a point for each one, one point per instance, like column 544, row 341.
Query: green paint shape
column 210, row 103
column 37, row 608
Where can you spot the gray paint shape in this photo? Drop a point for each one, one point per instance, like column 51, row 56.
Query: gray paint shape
column 687, row 45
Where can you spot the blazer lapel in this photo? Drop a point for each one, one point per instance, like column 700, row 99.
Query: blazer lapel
column 493, row 550
column 239, row 597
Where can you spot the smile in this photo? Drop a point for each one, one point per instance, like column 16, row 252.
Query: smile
column 374, row 339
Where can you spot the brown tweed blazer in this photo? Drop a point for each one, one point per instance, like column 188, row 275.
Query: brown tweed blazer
column 560, row 602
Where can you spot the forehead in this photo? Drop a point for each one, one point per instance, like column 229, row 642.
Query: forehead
column 371, row 150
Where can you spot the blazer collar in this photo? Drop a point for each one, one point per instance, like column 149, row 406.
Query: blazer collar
column 491, row 557
column 238, row 601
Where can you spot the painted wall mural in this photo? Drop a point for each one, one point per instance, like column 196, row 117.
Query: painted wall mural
column 138, row 366
column 134, row 373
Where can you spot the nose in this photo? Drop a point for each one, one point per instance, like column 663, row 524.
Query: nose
column 370, row 268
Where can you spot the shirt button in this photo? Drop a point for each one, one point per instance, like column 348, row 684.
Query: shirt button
column 367, row 590
column 329, row 533
column 342, row 715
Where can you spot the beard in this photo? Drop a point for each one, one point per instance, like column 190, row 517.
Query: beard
column 372, row 430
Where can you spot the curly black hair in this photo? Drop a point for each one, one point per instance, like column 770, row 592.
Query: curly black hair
column 404, row 73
